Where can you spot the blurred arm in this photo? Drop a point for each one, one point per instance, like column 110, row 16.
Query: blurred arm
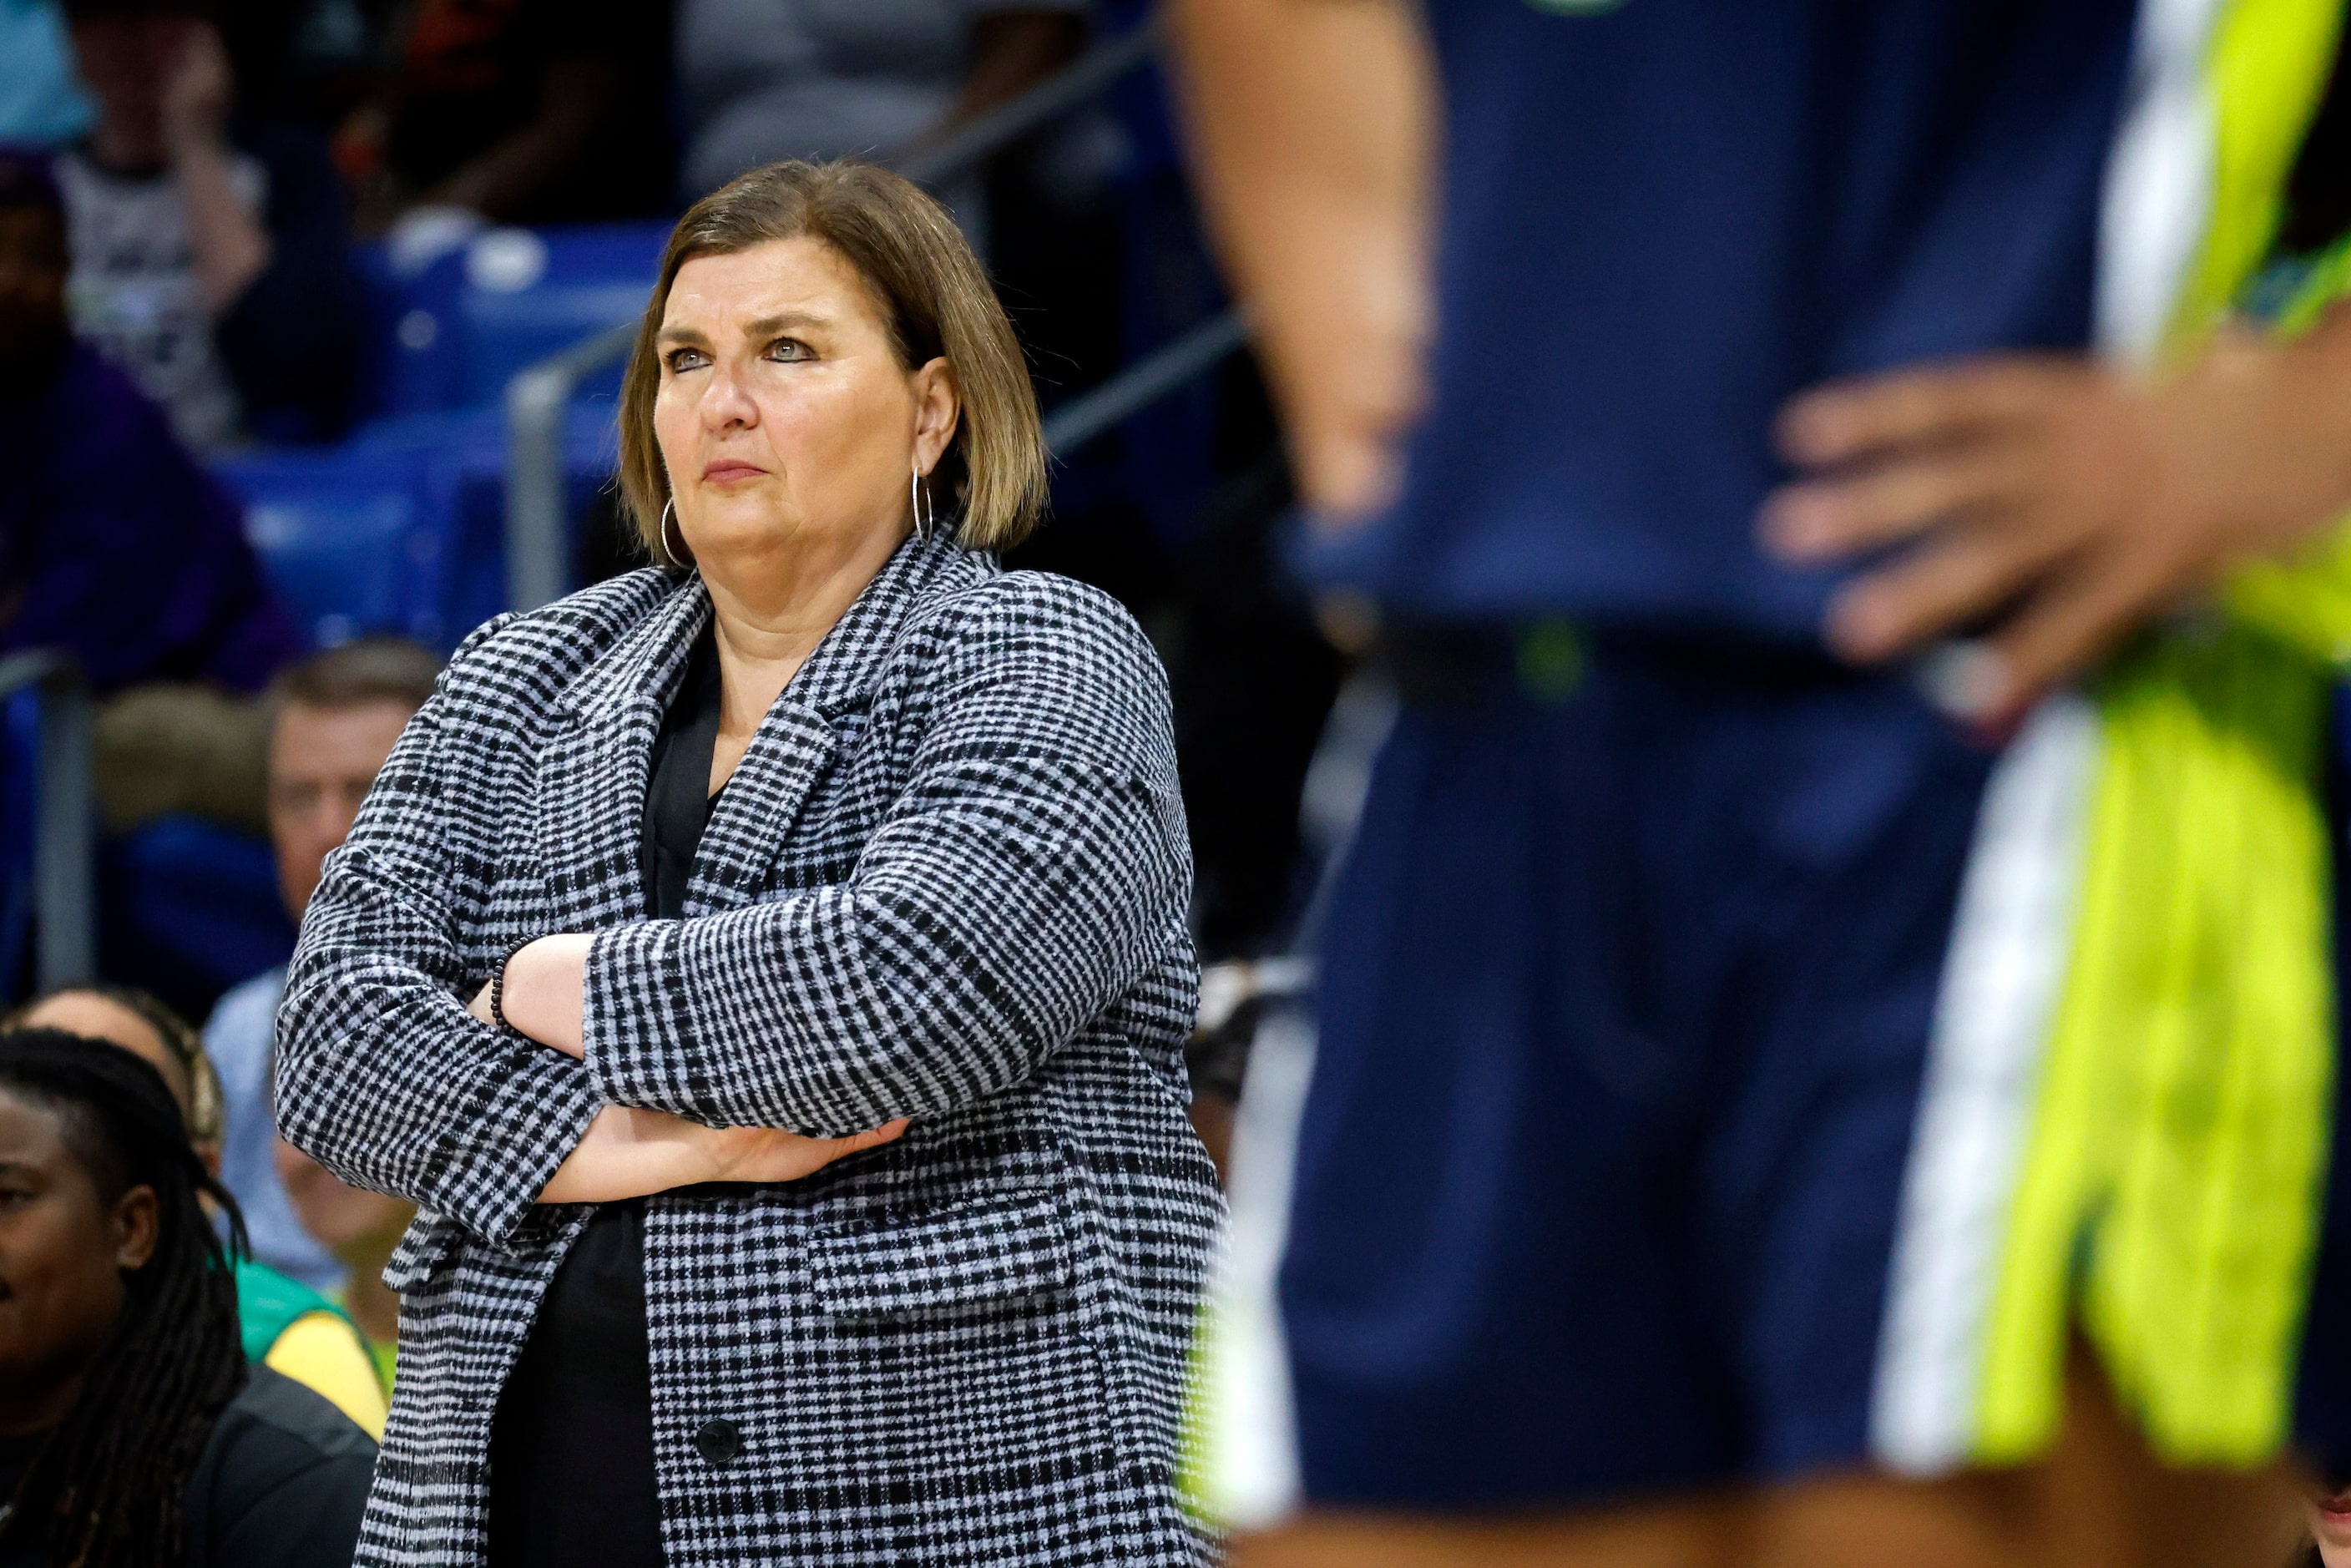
column 1312, row 125
column 231, row 246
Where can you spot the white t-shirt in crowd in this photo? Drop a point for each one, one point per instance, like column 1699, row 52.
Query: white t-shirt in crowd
column 133, row 291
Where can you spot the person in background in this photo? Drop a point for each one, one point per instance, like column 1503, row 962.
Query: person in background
column 766, row 79
column 41, row 103
column 210, row 245
column 286, row 1325
column 518, row 111
column 133, row 1432
column 334, row 717
column 115, row 546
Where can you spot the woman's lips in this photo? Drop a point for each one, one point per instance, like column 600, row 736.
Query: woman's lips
column 728, row 473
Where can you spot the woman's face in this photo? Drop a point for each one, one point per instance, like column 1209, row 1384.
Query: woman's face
column 788, row 425
column 63, row 1251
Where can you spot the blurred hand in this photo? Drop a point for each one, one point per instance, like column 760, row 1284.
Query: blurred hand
column 1348, row 418
column 196, row 98
column 632, row 1153
column 2063, row 502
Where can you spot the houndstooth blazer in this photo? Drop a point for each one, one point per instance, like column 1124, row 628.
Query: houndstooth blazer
column 948, row 881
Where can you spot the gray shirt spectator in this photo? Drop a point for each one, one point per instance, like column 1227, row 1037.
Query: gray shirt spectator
column 240, row 1038
column 764, row 80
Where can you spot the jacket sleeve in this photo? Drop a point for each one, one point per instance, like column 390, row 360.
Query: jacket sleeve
column 1034, row 865
column 381, row 1075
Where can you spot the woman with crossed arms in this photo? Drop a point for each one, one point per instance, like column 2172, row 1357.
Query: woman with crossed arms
column 768, row 971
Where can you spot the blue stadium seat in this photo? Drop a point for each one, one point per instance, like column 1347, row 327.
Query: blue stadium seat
column 453, row 333
column 402, row 528
column 351, row 538
column 581, row 281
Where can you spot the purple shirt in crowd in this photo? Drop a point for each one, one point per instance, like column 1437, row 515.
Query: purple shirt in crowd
column 116, row 545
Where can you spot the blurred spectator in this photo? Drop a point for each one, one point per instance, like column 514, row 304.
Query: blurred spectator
column 118, row 549
column 519, row 111
column 286, row 1325
column 120, row 1345
column 361, row 1229
column 41, row 103
column 764, row 80
column 210, row 244
column 334, row 717
column 114, row 545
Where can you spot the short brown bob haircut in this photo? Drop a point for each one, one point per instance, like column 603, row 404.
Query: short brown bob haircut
column 935, row 298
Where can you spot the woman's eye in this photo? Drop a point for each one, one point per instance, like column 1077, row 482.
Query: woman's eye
column 686, row 359
column 788, row 349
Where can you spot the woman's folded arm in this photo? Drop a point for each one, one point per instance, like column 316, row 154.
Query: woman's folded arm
column 382, row 1076
column 1034, row 866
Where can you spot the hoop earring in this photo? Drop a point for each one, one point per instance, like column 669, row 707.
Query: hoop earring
column 676, row 552
column 918, row 501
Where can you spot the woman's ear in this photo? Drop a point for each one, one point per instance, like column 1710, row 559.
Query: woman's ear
column 938, row 403
column 136, row 1224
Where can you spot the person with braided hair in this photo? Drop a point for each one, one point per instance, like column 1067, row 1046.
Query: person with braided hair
column 133, row 1431
column 300, row 1331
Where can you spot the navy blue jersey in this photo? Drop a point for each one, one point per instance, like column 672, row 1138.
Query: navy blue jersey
column 1663, row 219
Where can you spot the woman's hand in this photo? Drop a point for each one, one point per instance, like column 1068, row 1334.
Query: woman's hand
column 632, row 1153
column 546, row 993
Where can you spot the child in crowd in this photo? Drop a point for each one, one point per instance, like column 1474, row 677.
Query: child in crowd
column 360, row 1228
column 115, row 545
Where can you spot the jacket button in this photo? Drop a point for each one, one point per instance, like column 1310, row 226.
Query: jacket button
column 720, row 1441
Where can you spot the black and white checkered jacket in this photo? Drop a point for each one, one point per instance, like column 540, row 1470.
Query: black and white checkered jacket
column 948, row 881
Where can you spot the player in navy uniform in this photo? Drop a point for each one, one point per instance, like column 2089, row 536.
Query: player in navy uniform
column 1750, row 1120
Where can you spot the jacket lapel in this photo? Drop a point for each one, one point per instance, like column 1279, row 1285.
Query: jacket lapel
column 797, row 740
column 592, row 772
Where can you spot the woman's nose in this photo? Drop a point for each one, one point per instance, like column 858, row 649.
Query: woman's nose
column 726, row 403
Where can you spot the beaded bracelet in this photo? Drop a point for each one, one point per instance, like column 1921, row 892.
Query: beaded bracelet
column 499, row 993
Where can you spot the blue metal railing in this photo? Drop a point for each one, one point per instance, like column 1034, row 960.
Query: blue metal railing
column 63, row 902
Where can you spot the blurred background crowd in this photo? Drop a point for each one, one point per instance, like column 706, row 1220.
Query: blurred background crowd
column 273, row 277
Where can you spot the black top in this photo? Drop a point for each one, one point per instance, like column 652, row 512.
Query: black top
column 281, row 1483
column 571, row 1449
